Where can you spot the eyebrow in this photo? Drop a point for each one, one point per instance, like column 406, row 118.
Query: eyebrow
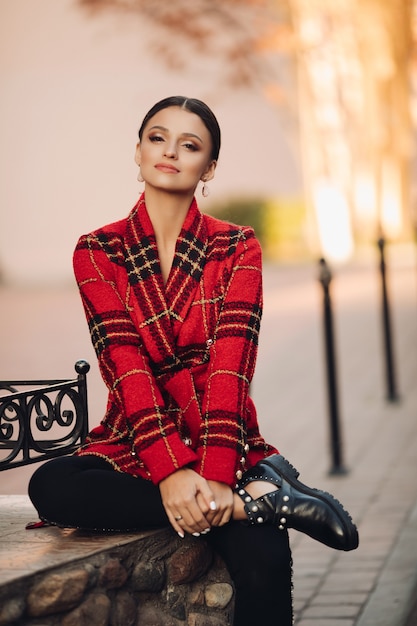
column 157, row 127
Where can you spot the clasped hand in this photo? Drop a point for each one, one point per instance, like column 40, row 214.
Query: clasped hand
column 194, row 504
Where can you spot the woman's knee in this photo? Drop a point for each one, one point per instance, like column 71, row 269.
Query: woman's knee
column 50, row 484
column 46, row 476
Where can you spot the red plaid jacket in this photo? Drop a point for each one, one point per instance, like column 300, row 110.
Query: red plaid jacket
column 177, row 359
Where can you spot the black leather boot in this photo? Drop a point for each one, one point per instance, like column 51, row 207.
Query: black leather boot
column 294, row 505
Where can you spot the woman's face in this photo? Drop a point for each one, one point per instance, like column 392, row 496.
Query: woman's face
column 175, row 151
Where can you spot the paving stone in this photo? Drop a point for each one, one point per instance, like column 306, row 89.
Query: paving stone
column 355, row 598
column 323, row 621
column 327, row 611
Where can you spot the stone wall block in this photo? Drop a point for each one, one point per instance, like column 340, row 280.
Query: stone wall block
column 57, row 592
column 94, row 611
column 160, row 544
column 154, row 579
column 149, row 576
column 200, row 619
column 92, row 570
column 175, row 599
column 149, row 615
column 196, row 595
column 123, row 610
column 11, row 610
column 218, row 571
column 112, row 574
column 189, row 562
column 218, row 595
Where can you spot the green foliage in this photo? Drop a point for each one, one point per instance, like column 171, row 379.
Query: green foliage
column 243, row 212
column 279, row 224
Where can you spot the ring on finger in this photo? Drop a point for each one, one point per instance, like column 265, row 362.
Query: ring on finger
column 177, row 519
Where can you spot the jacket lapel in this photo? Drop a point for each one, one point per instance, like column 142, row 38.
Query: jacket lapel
column 187, row 267
column 161, row 310
column 145, row 278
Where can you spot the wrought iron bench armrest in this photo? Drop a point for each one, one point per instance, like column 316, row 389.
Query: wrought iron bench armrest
column 42, row 419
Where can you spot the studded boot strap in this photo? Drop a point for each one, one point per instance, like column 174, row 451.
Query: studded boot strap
column 263, row 509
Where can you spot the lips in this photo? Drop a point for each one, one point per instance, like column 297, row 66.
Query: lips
column 165, row 167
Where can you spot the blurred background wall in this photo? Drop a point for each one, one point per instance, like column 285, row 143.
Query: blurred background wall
column 316, row 100
column 74, row 90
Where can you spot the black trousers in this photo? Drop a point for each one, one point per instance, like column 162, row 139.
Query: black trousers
column 86, row 492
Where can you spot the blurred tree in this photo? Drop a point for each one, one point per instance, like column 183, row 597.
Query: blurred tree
column 353, row 92
column 231, row 31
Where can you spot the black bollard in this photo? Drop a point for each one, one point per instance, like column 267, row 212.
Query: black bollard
column 392, row 395
column 335, row 431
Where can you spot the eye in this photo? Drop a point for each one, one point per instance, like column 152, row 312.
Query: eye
column 155, row 138
column 190, row 146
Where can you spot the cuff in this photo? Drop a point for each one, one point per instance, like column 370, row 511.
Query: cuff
column 166, row 456
column 219, row 464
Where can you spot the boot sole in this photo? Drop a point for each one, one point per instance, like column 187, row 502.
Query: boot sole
column 290, row 474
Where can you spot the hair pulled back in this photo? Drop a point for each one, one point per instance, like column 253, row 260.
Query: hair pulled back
column 193, row 106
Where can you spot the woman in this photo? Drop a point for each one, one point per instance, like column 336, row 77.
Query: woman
column 173, row 301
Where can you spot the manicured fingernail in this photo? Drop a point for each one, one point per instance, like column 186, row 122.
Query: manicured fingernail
column 196, row 534
column 181, row 535
column 204, row 532
column 213, row 506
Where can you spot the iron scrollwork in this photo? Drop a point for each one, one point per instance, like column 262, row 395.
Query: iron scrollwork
column 42, row 419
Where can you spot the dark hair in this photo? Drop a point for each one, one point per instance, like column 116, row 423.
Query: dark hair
column 193, row 106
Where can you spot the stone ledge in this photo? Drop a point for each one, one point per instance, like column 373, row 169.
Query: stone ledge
column 52, row 576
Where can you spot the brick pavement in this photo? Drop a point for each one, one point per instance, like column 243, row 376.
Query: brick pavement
column 375, row 585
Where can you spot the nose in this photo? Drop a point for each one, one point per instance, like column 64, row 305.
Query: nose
column 170, row 151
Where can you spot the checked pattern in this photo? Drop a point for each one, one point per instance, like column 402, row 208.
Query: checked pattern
column 178, row 358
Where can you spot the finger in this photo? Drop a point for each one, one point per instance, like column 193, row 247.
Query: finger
column 211, row 514
column 175, row 523
column 208, row 515
column 206, row 498
column 194, row 521
column 221, row 516
column 189, row 520
column 217, row 518
column 224, row 518
column 183, row 521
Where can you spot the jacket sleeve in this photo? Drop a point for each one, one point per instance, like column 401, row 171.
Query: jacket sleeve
column 123, row 364
column 232, row 362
